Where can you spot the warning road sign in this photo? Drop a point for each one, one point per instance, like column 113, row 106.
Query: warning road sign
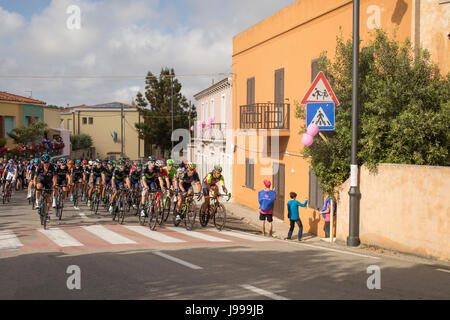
column 320, row 91
column 321, row 114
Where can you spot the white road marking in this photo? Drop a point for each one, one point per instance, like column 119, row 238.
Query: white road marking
column 83, row 215
column 61, row 238
column 263, row 292
column 8, row 240
column 340, row 251
column 184, row 263
column 443, row 270
column 198, row 235
column 158, row 236
column 241, row 235
column 108, row 235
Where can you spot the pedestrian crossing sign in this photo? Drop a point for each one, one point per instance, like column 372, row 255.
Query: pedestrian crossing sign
column 321, row 114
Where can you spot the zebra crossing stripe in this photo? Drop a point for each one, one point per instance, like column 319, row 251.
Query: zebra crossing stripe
column 108, row 235
column 158, row 236
column 241, row 235
column 198, row 235
column 8, row 240
column 61, row 238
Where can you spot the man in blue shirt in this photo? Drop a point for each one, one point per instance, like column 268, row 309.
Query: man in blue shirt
column 294, row 216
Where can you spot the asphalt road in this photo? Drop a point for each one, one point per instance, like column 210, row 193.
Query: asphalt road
column 175, row 265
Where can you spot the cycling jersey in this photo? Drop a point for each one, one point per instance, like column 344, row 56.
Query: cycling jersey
column 96, row 172
column 108, row 173
column 77, row 173
column 210, row 181
column 187, row 180
column 172, row 173
column 61, row 173
column 11, row 168
column 135, row 175
column 45, row 177
column 151, row 175
column 119, row 176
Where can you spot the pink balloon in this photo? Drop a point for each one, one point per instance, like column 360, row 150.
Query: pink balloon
column 192, row 128
column 199, row 123
column 208, row 126
column 307, row 140
column 312, row 129
column 203, row 123
column 211, row 119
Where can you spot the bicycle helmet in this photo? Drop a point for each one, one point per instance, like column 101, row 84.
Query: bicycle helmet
column 170, row 162
column 152, row 159
column 218, row 168
column 159, row 163
column 191, row 165
column 180, row 172
column 90, row 162
column 36, row 161
column 71, row 163
column 45, row 158
column 78, row 163
column 11, row 161
column 85, row 162
column 62, row 161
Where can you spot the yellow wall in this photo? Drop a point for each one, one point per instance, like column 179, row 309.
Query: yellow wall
column 104, row 125
column 52, row 117
column 12, row 110
column 291, row 39
column 404, row 208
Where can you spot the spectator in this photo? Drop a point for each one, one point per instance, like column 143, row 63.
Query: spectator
column 294, row 216
column 266, row 200
column 326, row 215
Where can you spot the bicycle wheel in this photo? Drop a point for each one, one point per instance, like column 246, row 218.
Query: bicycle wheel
column 45, row 213
column 33, row 198
column 143, row 219
column 175, row 221
column 159, row 212
column 220, row 217
column 96, row 202
column 121, row 211
column 152, row 216
column 166, row 208
column 203, row 216
column 60, row 206
column 191, row 213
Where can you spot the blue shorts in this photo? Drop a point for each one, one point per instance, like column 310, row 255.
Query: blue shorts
column 97, row 179
column 108, row 180
column 119, row 185
column 151, row 185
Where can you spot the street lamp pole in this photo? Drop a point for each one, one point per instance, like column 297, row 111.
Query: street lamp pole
column 354, row 194
column 171, row 93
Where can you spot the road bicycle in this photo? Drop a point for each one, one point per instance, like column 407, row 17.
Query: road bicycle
column 32, row 199
column 152, row 209
column 169, row 203
column 216, row 211
column 59, row 202
column 43, row 207
column 6, row 195
column 119, row 206
column 95, row 201
column 188, row 212
column 76, row 194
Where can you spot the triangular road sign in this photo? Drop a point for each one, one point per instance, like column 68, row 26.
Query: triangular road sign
column 320, row 91
column 321, row 119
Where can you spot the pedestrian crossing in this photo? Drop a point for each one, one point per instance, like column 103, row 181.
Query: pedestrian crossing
column 114, row 235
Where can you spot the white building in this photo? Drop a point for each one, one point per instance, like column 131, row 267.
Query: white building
column 213, row 144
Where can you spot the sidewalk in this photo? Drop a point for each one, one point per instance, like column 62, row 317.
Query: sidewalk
column 281, row 229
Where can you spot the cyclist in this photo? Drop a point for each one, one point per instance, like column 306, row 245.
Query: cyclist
column 2, row 169
column 134, row 179
column 164, row 175
column 150, row 175
column 32, row 173
column 210, row 182
column 10, row 174
column 172, row 175
column 107, row 175
column 20, row 175
column 62, row 171
column 185, row 185
column 95, row 178
column 76, row 176
column 118, row 182
column 45, row 177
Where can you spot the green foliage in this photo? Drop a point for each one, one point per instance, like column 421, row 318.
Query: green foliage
column 28, row 134
column 2, row 142
column 404, row 110
column 81, row 141
column 156, row 107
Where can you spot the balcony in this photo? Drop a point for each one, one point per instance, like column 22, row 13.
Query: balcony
column 217, row 133
column 265, row 116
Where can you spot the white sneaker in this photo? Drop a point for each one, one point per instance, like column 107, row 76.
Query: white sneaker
column 142, row 213
column 76, row 208
column 178, row 218
column 29, row 196
column 54, row 204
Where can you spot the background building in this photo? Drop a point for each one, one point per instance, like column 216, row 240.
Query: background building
column 214, row 146
column 274, row 63
column 111, row 134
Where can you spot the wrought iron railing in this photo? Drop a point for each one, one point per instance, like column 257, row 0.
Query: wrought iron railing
column 265, row 116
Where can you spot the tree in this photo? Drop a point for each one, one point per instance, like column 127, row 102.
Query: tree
column 81, row 141
column 28, row 134
column 404, row 110
column 155, row 105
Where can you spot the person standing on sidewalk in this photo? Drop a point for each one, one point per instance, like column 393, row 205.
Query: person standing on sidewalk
column 266, row 200
column 326, row 215
column 294, row 216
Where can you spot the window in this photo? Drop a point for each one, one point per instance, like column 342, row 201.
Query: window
column 223, row 110
column 61, row 125
column 84, row 120
column 315, row 193
column 251, row 90
column 211, row 108
column 2, row 127
column 91, row 120
column 249, row 173
column 69, row 124
column 203, row 111
column 10, row 124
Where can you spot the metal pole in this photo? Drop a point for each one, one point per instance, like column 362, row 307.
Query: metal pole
column 354, row 194
column 171, row 94
column 121, row 130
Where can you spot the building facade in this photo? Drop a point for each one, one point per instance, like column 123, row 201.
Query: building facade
column 213, row 144
column 274, row 63
column 111, row 134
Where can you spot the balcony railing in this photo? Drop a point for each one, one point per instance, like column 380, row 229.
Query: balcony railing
column 217, row 132
column 265, row 116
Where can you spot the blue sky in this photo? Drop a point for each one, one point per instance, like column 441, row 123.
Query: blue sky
column 119, row 37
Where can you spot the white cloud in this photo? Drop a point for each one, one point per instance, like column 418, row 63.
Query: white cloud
column 193, row 37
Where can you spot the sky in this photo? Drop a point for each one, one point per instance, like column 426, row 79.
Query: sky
column 120, row 38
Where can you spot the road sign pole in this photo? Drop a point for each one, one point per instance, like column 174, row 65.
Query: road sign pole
column 354, row 194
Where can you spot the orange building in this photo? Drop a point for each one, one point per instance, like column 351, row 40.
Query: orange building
column 274, row 63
